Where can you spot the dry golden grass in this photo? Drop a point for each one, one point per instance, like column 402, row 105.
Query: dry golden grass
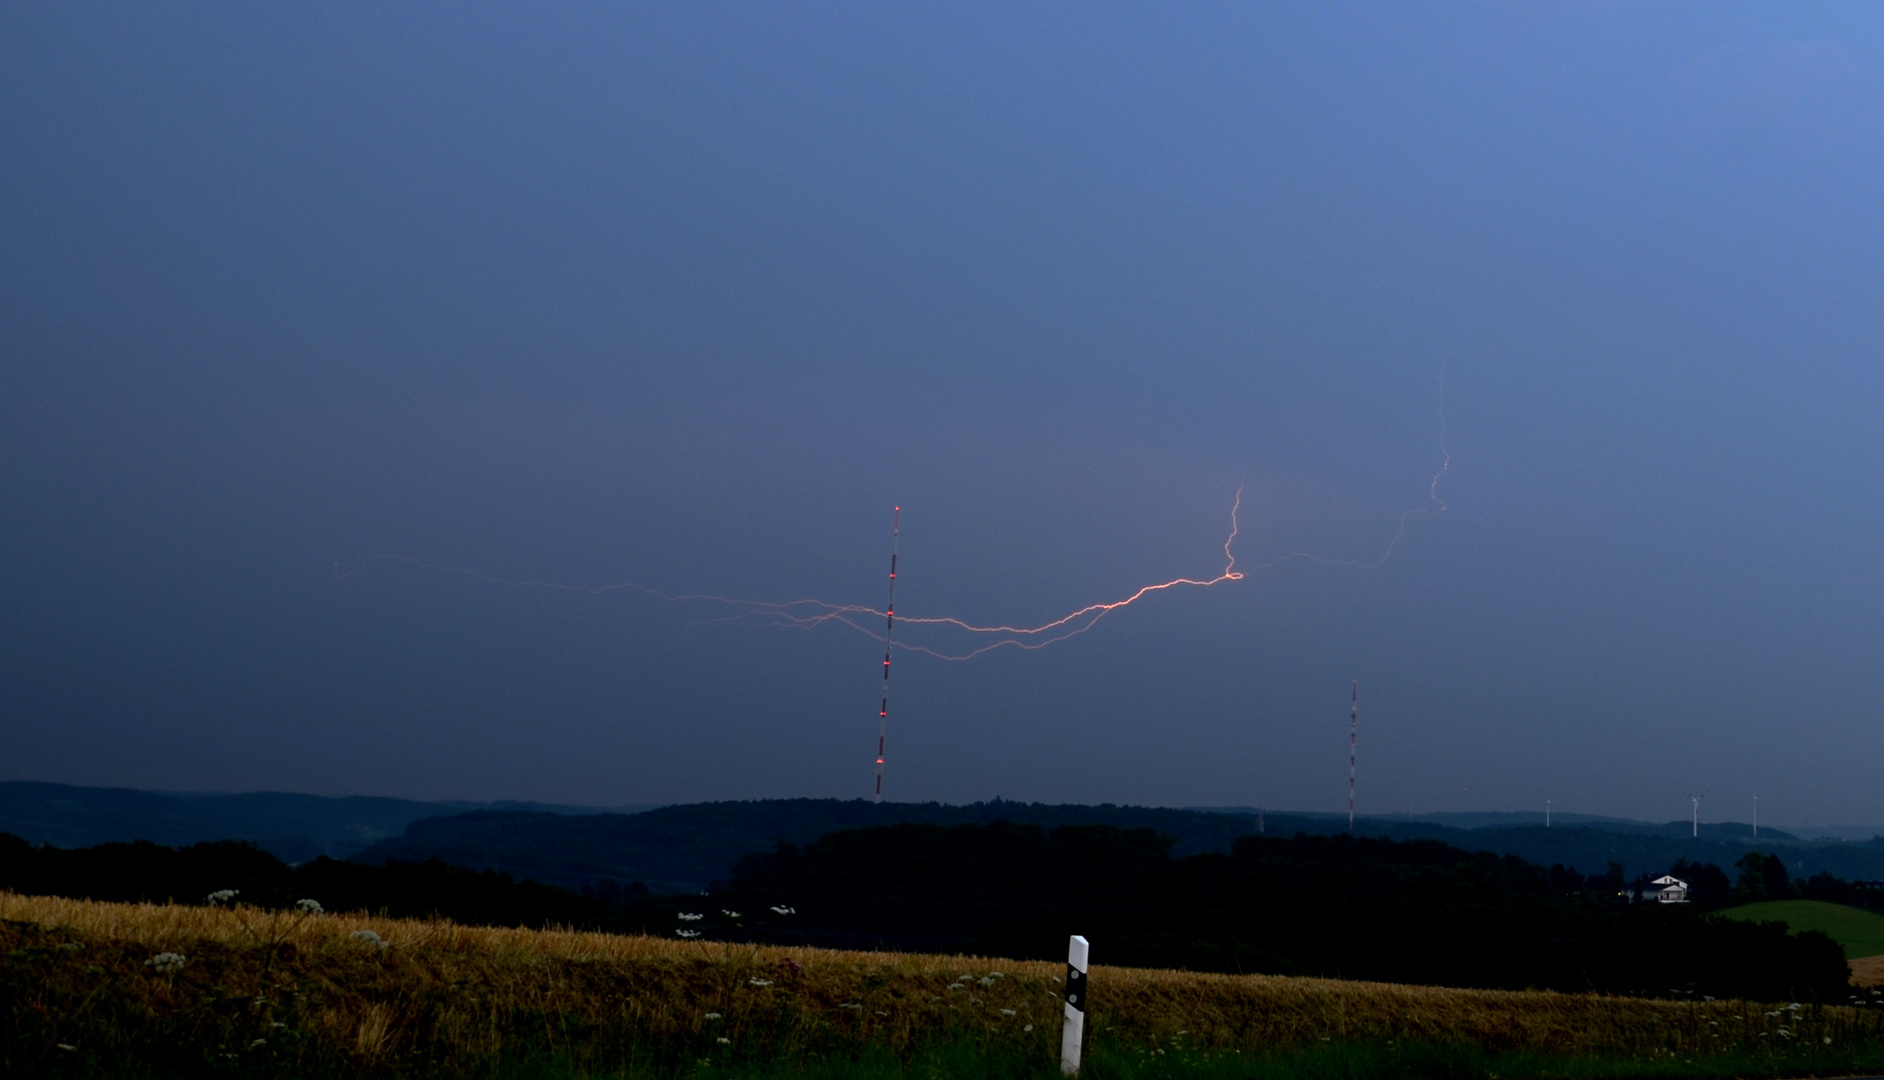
column 454, row 999
column 1868, row 971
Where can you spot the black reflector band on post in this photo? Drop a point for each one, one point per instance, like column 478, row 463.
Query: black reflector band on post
column 1075, row 988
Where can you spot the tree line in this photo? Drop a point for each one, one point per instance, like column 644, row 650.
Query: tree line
column 1337, row 906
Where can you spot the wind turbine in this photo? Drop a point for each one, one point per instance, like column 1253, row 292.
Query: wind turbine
column 1696, row 800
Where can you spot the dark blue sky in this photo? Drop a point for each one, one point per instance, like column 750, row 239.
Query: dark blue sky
column 690, row 296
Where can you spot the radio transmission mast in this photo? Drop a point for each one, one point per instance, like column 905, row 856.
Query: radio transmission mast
column 1354, row 731
column 889, row 629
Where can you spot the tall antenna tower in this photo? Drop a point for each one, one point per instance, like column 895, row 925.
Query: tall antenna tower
column 1354, row 731
column 889, row 628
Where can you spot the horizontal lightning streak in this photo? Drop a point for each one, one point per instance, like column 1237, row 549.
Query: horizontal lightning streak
column 811, row 613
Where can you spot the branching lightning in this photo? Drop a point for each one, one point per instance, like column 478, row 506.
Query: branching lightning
column 811, row 613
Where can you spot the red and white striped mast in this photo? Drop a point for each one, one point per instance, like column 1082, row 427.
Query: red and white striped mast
column 889, row 628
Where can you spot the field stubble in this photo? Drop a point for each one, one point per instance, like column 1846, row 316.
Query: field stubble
column 275, row 993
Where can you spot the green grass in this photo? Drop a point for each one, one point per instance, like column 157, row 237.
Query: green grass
column 968, row 1060
column 1859, row 932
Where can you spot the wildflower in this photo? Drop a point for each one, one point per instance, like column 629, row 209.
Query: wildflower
column 1029, row 1027
column 222, row 896
column 723, row 1039
column 1828, row 1040
column 689, row 917
column 277, row 1025
column 731, row 914
column 1007, row 1012
column 881, row 1012
column 1794, row 1007
column 688, row 933
column 712, row 1016
column 369, row 938
column 65, row 1046
column 987, row 980
column 309, row 907
column 69, row 946
column 781, row 909
column 858, row 1005
column 166, row 962
column 760, row 982
column 258, row 1042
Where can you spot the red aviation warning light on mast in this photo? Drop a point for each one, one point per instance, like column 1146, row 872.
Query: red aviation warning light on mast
column 889, row 629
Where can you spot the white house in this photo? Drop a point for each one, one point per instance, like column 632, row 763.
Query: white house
column 1667, row 889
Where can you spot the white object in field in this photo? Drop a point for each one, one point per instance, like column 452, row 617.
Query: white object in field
column 1070, row 1036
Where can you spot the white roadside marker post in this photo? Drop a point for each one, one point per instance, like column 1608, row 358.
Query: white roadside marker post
column 1070, row 1035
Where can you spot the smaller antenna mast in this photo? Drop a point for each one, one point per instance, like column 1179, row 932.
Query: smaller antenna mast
column 889, row 628
column 1354, row 731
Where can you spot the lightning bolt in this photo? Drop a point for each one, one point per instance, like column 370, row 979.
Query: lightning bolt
column 810, row 613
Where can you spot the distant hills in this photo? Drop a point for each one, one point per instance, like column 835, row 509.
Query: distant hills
column 294, row 828
column 1715, row 830
column 685, row 848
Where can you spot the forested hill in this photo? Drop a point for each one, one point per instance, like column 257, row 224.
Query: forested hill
column 292, row 826
column 686, row 848
column 1415, row 911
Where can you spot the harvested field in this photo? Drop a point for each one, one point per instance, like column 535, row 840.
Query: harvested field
column 353, row 994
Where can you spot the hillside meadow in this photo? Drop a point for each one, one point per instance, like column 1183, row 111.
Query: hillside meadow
column 164, row 990
column 1859, row 932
